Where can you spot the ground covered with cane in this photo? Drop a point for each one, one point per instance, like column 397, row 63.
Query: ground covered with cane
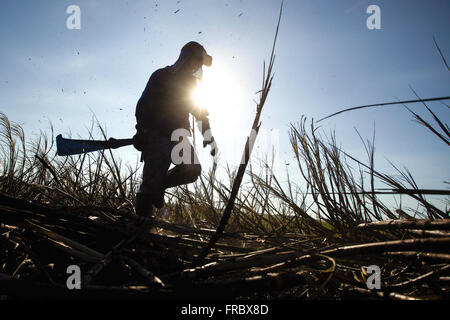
column 277, row 244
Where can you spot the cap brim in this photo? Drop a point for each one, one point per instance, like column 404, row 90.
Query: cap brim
column 207, row 60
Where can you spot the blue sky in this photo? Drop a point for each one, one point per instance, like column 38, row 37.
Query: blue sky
column 327, row 60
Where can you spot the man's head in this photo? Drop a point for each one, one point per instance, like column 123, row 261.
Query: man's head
column 192, row 57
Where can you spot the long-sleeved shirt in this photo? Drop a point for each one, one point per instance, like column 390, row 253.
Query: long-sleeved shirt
column 167, row 101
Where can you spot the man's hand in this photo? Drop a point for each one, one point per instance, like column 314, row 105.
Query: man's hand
column 214, row 149
column 213, row 144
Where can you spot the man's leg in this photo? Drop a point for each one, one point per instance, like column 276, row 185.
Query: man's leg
column 184, row 173
column 156, row 163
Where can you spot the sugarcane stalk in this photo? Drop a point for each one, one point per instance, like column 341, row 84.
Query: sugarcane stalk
column 423, row 224
column 267, row 83
column 405, row 245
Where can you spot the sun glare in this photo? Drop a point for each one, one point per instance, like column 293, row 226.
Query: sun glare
column 217, row 93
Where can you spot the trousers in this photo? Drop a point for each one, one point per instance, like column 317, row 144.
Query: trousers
column 158, row 155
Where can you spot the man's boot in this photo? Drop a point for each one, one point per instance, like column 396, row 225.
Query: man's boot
column 144, row 207
column 158, row 199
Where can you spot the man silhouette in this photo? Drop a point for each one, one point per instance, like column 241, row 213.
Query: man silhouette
column 161, row 112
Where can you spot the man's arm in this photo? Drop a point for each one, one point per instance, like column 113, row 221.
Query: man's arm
column 201, row 115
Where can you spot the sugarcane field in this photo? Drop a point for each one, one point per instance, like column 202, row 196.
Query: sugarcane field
column 225, row 155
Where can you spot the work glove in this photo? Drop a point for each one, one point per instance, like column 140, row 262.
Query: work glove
column 213, row 144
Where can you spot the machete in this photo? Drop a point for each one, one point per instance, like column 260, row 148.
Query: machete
column 67, row 147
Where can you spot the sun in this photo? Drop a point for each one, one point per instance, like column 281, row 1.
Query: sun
column 222, row 94
column 218, row 93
